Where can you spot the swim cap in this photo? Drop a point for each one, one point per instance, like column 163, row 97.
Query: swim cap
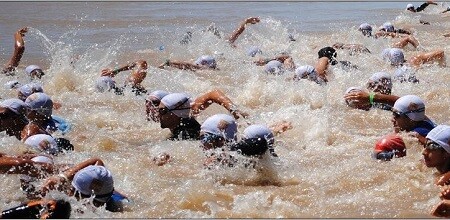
column 42, row 159
column 178, row 103
column 408, row 6
column 157, row 95
column 353, row 103
column 15, row 105
column 440, row 135
column 13, row 84
column 388, row 27
column 365, row 27
column 412, row 105
column 95, row 180
column 222, row 125
column 274, row 67
column 394, row 55
column 30, row 68
column 104, row 83
column 42, row 143
column 327, row 52
column 259, row 131
column 41, row 103
column 252, row 51
column 308, row 72
column 206, row 60
column 405, row 74
column 391, row 142
column 30, row 88
column 382, row 79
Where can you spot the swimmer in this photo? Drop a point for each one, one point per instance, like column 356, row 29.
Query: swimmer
column 176, row 112
column 203, row 62
column 236, row 33
column 404, row 40
column 353, row 48
column 137, row 75
column 389, row 28
column 39, row 114
column 410, row 7
column 277, row 64
column 87, row 179
column 436, row 152
column 397, row 59
column 446, row 10
column 39, row 209
column 151, row 104
column 388, row 147
column 107, row 83
column 308, row 72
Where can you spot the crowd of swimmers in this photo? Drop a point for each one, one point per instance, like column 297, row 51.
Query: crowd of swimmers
column 29, row 118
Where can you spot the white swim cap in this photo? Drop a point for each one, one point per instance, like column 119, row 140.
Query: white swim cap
column 95, row 180
column 412, row 105
column 259, row 131
column 41, row 103
column 16, row 105
column 178, row 103
column 308, row 72
column 209, row 61
column 222, row 125
column 405, row 74
column 440, row 135
column 381, row 78
column 30, row 88
column 30, row 68
column 252, row 51
column 42, row 143
column 13, row 84
column 396, row 56
column 388, row 27
column 408, row 6
column 104, row 83
column 157, row 95
column 365, row 27
column 274, row 67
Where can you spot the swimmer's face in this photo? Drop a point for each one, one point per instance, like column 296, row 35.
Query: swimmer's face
column 401, row 121
column 167, row 118
column 151, row 107
column 211, row 141
column 434, row 155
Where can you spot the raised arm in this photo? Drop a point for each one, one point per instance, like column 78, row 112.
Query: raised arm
column 322, row 68
column 19, row 48
column 241, row 28
column 216, row 96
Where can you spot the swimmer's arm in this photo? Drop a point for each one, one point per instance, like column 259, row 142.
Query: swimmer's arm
column 10, row 165
column 19, row 49
column 241, row 28
column 216, row 96
column 322, row 67
column 180, row 65
column 280, row 127
column 363, row 98
column 113, row 72
column 442, row 209
column 385, row 34
column 70, row 173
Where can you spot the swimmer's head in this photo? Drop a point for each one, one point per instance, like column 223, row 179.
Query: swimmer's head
column 105, row 83
column 388, row 27
column 94, row 180
column 366, row 29
column 307, row 72
column 252, row 51
column 389, row 146
column 152, row 102
column 410, row 7
column 394, row 55
column 39, row 103
column 42, row 143
column 251, row 147
column 14, row 105
column 207, row 60
column 34, row 71
column 259, row 131
column 380, row 82
column 441, row 136
column 330, row 53
column 409, row 106
column 405, row 74
column 274, row 67
column 26, row 90
column 216, row 129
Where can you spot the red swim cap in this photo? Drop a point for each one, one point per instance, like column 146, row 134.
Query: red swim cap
column 391, row 142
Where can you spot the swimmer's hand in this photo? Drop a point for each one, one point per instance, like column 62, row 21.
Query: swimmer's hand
column 442, row 209
column 238, row 113
column 281, row 127
column 445, row 193
column 444, row 179
column 252, row 20
column 108, row 72
column 22, row 31
column 360, row 97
